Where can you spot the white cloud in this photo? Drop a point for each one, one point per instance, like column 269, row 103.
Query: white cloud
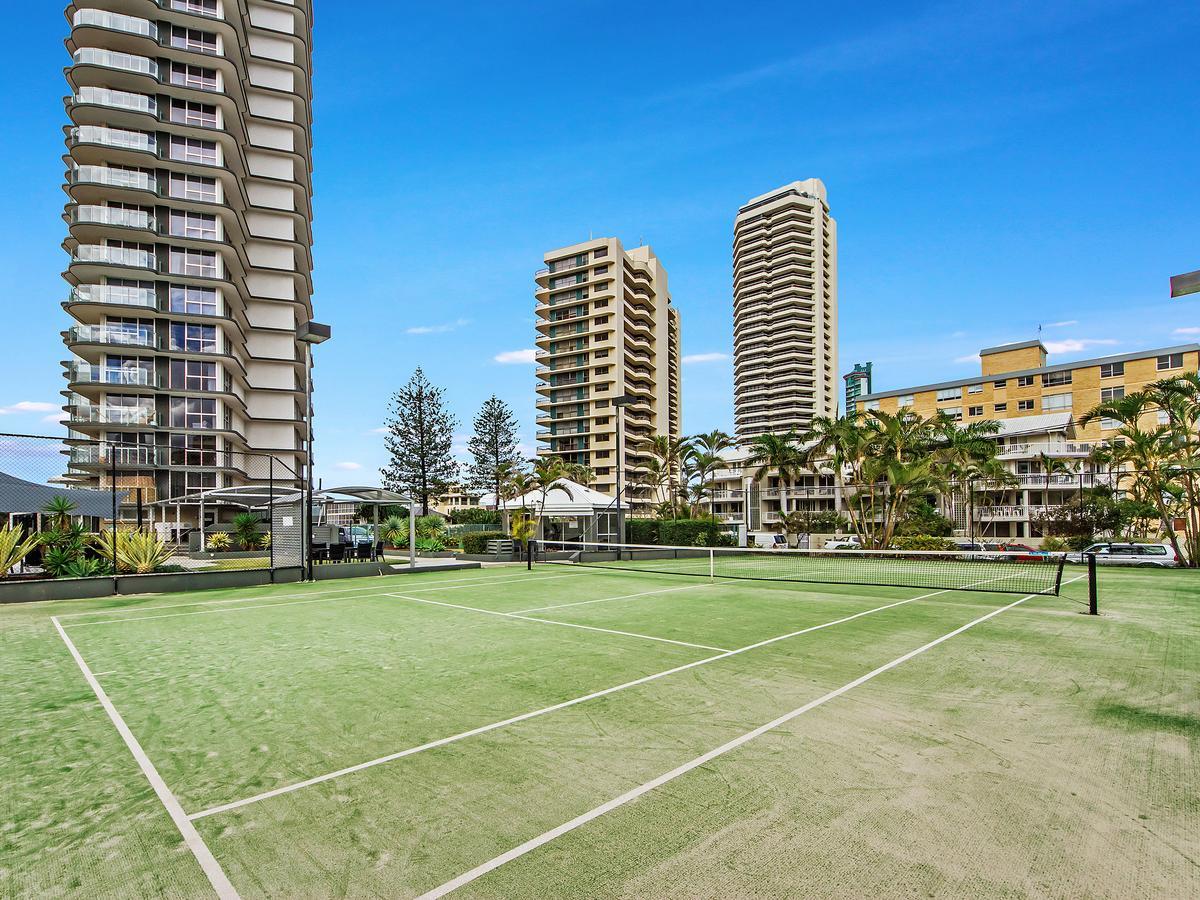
column 705, row 357
column 1186, row 331
column 516, row 357
column 28, row 406
column 437, row 329
column 1076, row 345
column 1063, row 324
column 970, row 358
column 382, row 429
column 348, row 466
column 55, row 418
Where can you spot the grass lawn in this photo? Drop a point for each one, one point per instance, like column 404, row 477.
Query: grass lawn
column 448, row 733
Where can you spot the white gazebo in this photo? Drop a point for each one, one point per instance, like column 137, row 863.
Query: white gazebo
column 569, row 512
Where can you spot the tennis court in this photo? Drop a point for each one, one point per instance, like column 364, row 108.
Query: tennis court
column 606, row 730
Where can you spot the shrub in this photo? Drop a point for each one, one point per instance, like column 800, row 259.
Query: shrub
column 923, row 542
column 141, row 553
column 14, row 547
column 923, row 520
column 219, row 540
column 264, row 541
column 431, row 526
column 642, row 531
column 689, row 532
column 245, row 528
column 475, row 515
column 430, row 545
column 1054, row 545
column 87, row 568
column 477, row 541
column 523, row 527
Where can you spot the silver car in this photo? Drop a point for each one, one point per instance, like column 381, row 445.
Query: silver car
column 1114, row 554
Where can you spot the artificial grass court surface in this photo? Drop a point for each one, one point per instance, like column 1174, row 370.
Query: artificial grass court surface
column 1038, row 753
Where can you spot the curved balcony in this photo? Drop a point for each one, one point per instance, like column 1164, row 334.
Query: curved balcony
column 96, row 18
column 114, row 415
column 115, row 178
column 109, row 215
column 116, row 256
column 109, row 59
column 85, row 373
column 113, row 99
column 83, row 136
column 114, row 295
column 112, row 335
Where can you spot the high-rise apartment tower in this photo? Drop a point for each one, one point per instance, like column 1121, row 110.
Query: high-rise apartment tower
column 785, row 313
column 606, row 329
column 189, row 235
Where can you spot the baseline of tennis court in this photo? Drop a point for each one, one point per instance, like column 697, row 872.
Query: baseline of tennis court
column 403, row 733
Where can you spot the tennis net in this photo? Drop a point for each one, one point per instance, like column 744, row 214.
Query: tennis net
column 999, row 572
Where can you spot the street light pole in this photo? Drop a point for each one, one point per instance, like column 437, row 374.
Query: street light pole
column 620, row 403
column 309, row 333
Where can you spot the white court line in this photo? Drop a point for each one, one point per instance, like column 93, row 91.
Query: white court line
column 191, row 837
column 376, row 592
column 483, row 729
column 100, row 612
column 688, row 587
column 519, row 617
column 628, row 796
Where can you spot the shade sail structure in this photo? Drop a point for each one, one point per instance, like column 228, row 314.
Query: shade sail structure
column 19, row 497
column 564, row 498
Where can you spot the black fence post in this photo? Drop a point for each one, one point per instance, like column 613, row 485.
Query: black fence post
column 529, row 551
column 112, row 485
column 271, row 516
column 1093, row 603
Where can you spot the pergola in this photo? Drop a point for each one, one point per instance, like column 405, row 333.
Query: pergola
column 376, row 497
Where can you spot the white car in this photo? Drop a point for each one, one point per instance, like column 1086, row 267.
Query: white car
column 843, row 543
column 1114, row 554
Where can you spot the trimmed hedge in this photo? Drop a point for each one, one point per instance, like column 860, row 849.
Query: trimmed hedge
column 923, row 542
column 476, row 541
column 642, row 531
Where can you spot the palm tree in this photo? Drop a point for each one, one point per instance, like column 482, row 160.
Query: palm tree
column 245, row 529
column 778, row 453
column 59, row 510
column 548, row 472
column 706, row 450
column 669, row 453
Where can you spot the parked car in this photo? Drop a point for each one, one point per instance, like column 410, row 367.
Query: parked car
column 844, row 543
column 1023, row 553
column 1115, row 554
column 766, row 540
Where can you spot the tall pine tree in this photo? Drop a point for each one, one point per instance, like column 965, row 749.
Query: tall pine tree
column 420, row 431
column 493, row 445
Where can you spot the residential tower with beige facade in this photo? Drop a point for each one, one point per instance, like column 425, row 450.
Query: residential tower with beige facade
column 606, row 328
column 785, row 311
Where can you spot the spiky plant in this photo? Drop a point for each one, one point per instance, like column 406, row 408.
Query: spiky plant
column 218, row 541
column 14, row 547
column 141, row 553
column 245, row 530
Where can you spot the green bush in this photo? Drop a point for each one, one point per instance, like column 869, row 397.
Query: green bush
column 1054, row 545
column 642, row 531
column 475, row 515
column 923, row 542
column 430, row 545
column 477, row 541
column 690, row 532
column 1079, row 542
column 431, row 527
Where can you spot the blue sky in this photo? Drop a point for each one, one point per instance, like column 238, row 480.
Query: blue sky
column 992, row 167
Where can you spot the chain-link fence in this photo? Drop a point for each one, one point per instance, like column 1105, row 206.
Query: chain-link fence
column 78, row 506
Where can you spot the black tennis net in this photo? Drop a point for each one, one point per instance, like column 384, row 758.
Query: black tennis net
column 999, row 572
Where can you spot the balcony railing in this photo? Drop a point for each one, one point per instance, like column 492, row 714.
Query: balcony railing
column 117, row 99
column 114, row 415
column 114, row 294
column 115, row 256
column 120, row 456
column 191, row 6
column 111, row 215
column 83, row 372
column 109, row 177
column 128, row 62
column 1054, row 448
column 115, row 22
column 114, row 137
column 138, row 336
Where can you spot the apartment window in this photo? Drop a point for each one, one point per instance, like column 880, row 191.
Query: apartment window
column 974, row 410
column 200, row 226
column 199, row 77
column 201, row 115
column 904, row 400
column 1112, row 370
column 600, row 252
column 1164, row 417
column 184, row 483
column 193, row 412
column 1113, row 393
column 975, row 389
column 194, row 150
column 1025, row 405
column 193, row 375
column 203, row 7
column 194, row 300
column 1170, row 361
column 193, row 338
column 1050, row 379
column 1056, row 401
column 565, row 280
column 128, row 370
column 193, row 39
column 1024, row 380
column 193, row 187
column 871, row 404
column 949, row 393
column 1001, row 384
column 1000, row 407
column 1107, row 423
column 197, row 263
column 602, row 370
column 954, row 412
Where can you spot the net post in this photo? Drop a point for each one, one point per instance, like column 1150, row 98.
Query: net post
column 1093, row 601
column 712, row 564
column 529, row 554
